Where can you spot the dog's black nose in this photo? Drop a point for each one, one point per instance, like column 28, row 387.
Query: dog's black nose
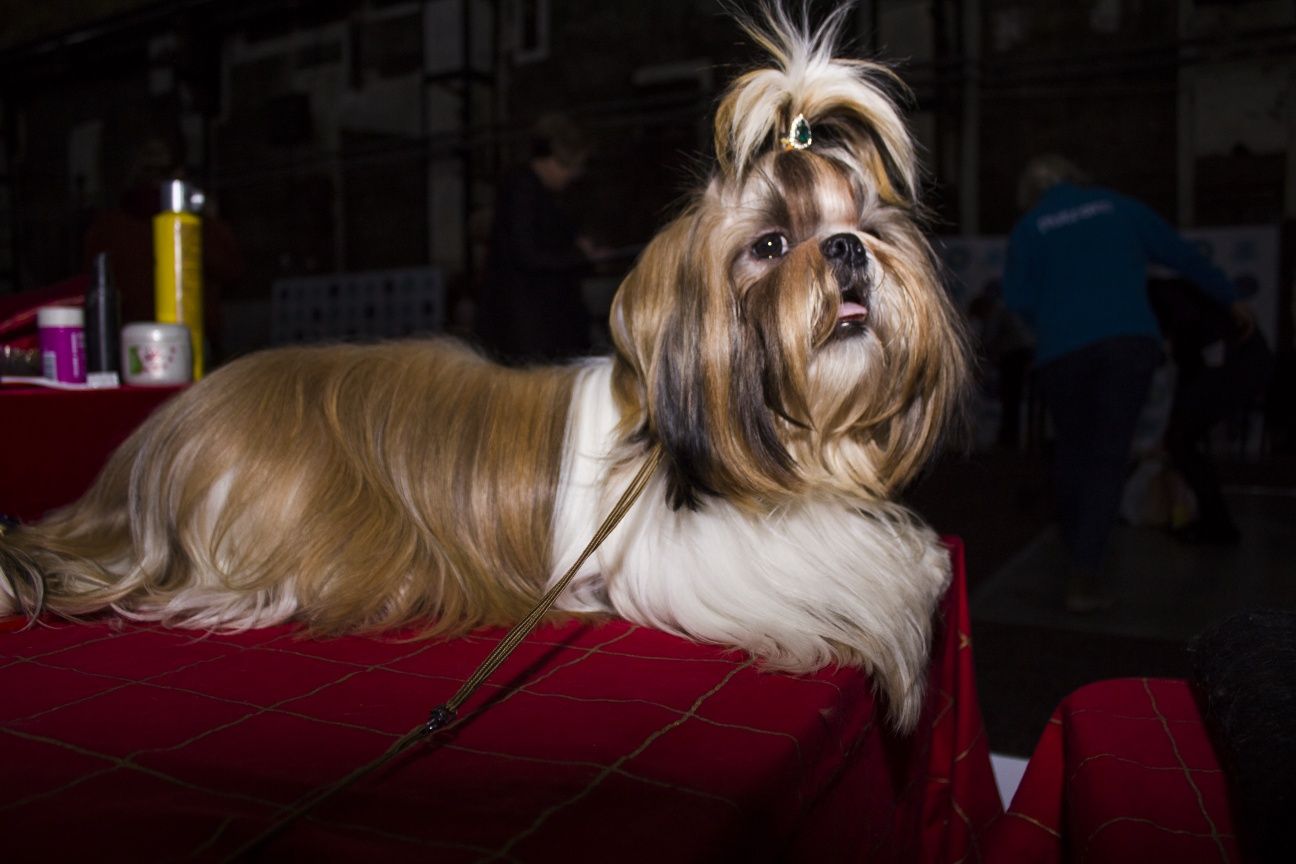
column 845, row 248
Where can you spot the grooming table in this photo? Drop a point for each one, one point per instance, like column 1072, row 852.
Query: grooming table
column 53, row 442
column 594, row 741
column 1124, row 772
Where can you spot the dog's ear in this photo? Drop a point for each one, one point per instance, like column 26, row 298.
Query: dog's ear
column 687, row 378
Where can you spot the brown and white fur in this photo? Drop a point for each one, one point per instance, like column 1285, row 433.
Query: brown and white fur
column 786, row 341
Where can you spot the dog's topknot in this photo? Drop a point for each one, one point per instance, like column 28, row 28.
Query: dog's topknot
column 847, row 98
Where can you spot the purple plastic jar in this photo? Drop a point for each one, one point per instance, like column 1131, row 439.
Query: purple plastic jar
column 61, row 334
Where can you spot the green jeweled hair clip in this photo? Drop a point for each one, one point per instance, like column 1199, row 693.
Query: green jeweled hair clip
column 799, row 136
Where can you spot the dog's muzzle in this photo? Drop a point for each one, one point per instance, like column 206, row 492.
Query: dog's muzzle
column 849, row 260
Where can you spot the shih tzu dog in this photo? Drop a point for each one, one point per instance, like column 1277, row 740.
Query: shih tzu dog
column 786, row 342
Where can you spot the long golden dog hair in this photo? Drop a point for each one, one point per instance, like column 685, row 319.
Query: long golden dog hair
column 785, row 340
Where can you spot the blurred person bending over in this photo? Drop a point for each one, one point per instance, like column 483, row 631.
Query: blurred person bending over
column 1077, row 273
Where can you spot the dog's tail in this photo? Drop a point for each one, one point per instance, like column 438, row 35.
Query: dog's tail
column 22, row 582
column 64, row 564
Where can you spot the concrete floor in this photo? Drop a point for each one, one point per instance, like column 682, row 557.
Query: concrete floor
column 1163, row 589
column 1029, row 651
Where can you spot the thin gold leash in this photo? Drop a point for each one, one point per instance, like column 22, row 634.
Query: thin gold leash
column 444, row 714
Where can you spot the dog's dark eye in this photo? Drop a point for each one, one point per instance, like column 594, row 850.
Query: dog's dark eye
column 772, row 245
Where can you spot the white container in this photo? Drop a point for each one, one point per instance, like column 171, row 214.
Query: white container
column 156, row 354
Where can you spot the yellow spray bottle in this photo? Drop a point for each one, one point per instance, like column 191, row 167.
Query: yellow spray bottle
column 177, row 263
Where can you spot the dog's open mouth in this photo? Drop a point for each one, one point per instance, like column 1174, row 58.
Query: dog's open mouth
column 852, row 313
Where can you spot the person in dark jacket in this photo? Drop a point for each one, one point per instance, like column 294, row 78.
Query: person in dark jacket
column 1220, row 374
column 531, row 308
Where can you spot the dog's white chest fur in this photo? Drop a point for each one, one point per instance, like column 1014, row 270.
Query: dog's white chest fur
column 814, row 583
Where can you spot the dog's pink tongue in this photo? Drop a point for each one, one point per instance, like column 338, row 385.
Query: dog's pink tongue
column 851, row 310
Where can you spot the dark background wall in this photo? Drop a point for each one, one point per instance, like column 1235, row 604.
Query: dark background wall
column 348, row 135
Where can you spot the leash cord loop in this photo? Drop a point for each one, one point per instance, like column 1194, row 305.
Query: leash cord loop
column 445, row 714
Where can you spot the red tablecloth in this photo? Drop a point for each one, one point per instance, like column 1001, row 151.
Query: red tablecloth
column 53, row 442
column 592, row 743
column 1124, row 772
